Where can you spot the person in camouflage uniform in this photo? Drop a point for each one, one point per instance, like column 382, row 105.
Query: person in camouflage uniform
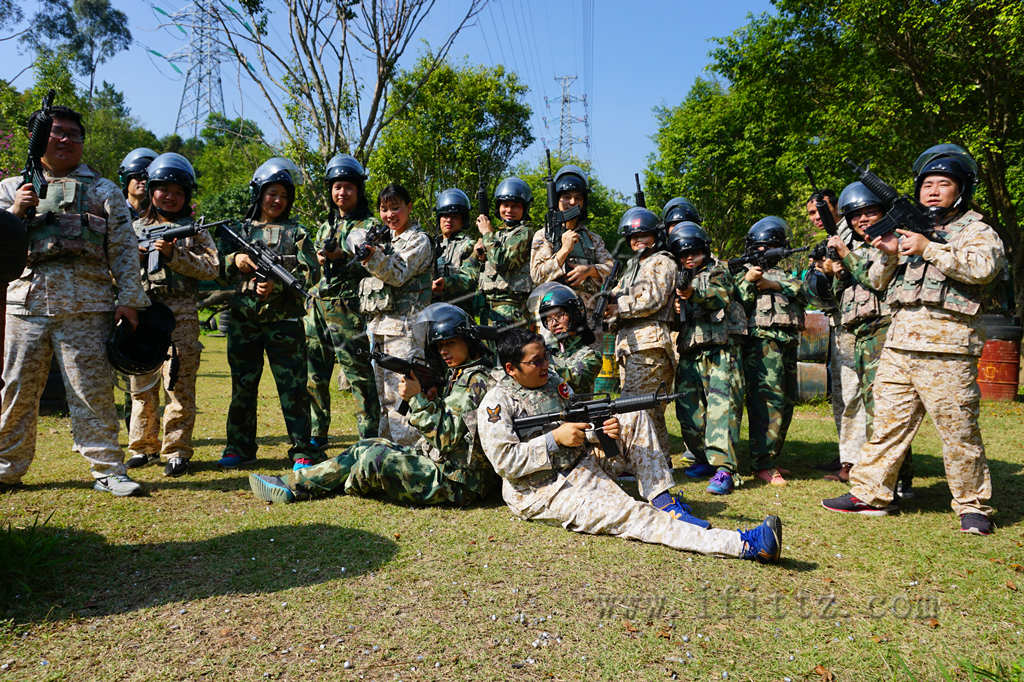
column 183, row 263
column 132, row 176
column 456, row 269
column 445, row 466
column 708, row 372
column 581, row 259
column 642, row 314
column 335, row 332
column 266, row 317
column 774, row 303
column 398, row 287
column 505, row 279
column 82, row 274
column 930, row 359
column 561, row 312
column 558, row 474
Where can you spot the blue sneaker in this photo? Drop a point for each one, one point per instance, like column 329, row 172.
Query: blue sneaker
column 764, row 543
column 302, row 463
column 721, row 483
column 232, row 460
column 699, row 470
column 270, row 488
column 679, row 510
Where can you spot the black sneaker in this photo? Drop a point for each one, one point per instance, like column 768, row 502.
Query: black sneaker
column 850, row 504
column 831, row 465
column 978, row 524
column 140, row 460
column 904, row 490
column 176, row 466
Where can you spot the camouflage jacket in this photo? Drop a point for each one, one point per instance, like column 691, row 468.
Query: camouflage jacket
column 399, row 283
column 935, row 297
column 290, row 241
column 455, row 263
column 645, row 304
column 577, row 363
column 81, row 285
column 448, row 426
column 506, row 273
column 713, row 310
column 340, row 279
column 194, row 259
column 860, row 305
column 589, row 250
column 774, row 315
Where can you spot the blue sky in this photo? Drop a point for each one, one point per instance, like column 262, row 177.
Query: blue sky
column 635, row 57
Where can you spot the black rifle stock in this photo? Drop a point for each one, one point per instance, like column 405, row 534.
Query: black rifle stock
column 821, row 204
column 554, row 222
column 151, row 235
column 424, row 373
column 592, row 409
column 601, row 299
column 901, row 210
column 684, row 282
column 37, row 142
column 482, row 203
column 268, row 263
column 765, row 260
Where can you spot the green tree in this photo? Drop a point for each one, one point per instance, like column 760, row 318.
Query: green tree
column 463, row 124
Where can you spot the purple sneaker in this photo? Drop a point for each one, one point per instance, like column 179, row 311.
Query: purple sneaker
column 721, row 483
column 699, row 470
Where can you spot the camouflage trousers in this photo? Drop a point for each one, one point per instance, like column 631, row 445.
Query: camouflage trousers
column 377, row 467
column 907, row 385
column 334, row 333
column 847, row 402
column 78, row 342
column 394, row 426
column 709, row 414
column 639, row 454
column 590, row 501
column 646, row 371
column 180, row 411
column 284, row 342
column 867, row 351
column 769, row 376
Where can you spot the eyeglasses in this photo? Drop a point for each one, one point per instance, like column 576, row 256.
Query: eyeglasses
column 540, row 362
column 556, row 315
column 59, row 134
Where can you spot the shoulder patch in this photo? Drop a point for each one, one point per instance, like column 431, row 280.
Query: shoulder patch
column 494, row 414
column 563, row 390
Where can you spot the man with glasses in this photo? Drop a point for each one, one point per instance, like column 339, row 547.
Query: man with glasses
column 82, row 274
column 557, row 474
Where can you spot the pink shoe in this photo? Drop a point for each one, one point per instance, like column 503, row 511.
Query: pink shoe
column 771, row 476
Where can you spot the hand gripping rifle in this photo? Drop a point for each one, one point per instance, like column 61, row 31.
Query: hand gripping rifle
column 766, row 260
column 821, row 204
column 902, row 211
column 423, row 372
column 593, row 409
column 554, row 223
column 37, row 142
column 683, row 282
column 378, row 236
column 268, row 263
column 603, row 296
column 150, row 236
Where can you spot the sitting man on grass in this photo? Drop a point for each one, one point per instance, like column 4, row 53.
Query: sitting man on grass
column 446, row 465
column 557, row 475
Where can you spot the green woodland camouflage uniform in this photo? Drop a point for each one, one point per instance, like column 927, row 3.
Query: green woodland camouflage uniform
column 589, row 250
column 176, row 285
column 709, row 371
column 81, row 264
column 643, row 341
column 543, row 481
column 505, row 279
column 455, row 263
column 336, row 332
column 576, row 362
column 398, row 287
column 930, row 363
column 274, row 326
column 774, row 321
column 445, row 466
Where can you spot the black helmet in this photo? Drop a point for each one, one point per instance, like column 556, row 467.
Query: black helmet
column 945, row 149
column 445, row 321
column 514, row 189
column 547, row 297
column 819, row 286
column 639, row 220
column 451, row 202
column 171, row 167
column 345, row 167
column 960, row 168
column 679, row 209
column 770, row 231
column 13, row 247
column 856, row 196
column 143, row 350
column 134, row 164
column 687, row 236
column 571, row 178
column 275, row 170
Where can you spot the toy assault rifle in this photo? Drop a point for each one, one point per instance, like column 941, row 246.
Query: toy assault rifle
column 268, row 263
column 638, row 197
column 766, row 260
column 821, row 204
column 902, row 211
column 554, row 223
column 593, row 409
column 683, row 282
column 378, row 236
column 150, row 236
column 423, row 372
column 37, row 142
column 603, row 296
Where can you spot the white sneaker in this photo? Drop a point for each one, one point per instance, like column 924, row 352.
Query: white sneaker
column 118, row 485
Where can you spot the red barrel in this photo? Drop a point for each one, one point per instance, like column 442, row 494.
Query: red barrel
column 999, row 370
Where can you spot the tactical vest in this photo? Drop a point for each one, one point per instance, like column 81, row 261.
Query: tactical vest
column 540, row 401
column 341, row 279
column 450, row 254
column 918, row 282
column 584, row 252
column 775, row 309
column 859, row 304
column 703, row 327
column 517, row 281
column 64, row 227
column 375, row 296
column 281, row 238
column 166, row 283
column 666, row 313
column 467, row 463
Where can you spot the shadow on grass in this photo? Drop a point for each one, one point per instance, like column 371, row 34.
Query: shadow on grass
column 95, row 578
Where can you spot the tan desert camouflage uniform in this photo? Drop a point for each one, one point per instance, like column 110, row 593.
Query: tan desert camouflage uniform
column 589, row 250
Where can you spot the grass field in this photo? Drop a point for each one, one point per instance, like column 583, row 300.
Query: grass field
column 202, row 580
